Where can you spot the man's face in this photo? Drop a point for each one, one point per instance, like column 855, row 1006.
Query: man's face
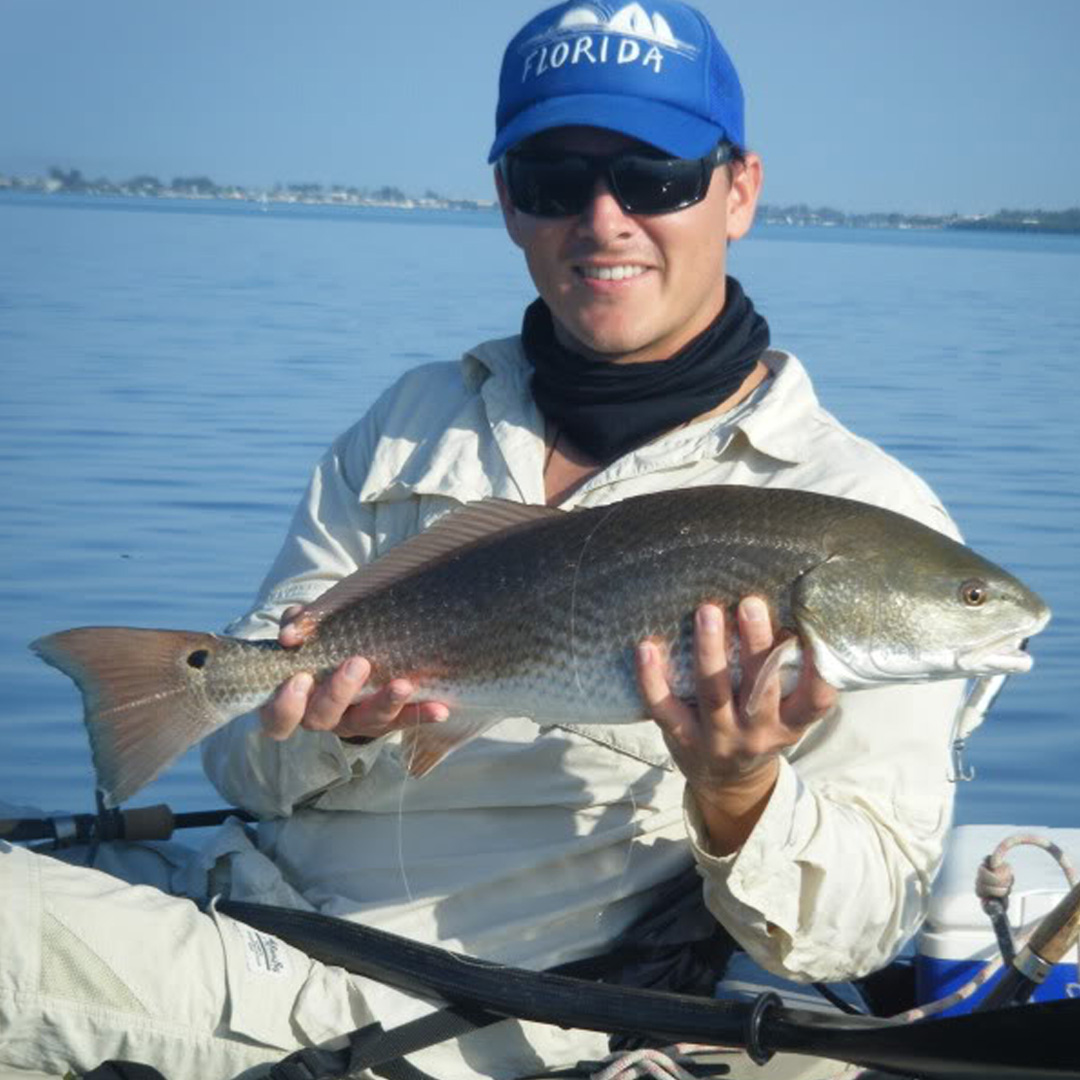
column 676, row 262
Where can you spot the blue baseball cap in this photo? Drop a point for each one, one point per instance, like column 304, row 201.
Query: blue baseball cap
column 653, row 71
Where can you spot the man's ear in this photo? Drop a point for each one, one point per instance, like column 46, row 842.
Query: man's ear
column 510, row 215
column 744, row 188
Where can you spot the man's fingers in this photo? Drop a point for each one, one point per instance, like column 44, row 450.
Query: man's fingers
column 336, row 694
column 713, row 682
column 295, row 630
column 337, row 705
column 430, row 712
column 662, row 705
column 385, row 707
column 282, row 715
column 755, row 644
column 811, row 700
column 289, row 636
column 755, row 629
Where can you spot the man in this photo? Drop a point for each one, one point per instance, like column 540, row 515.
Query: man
column 815, row 823
column 642, row 367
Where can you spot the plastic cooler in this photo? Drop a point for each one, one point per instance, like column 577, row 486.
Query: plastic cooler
column 957, row 939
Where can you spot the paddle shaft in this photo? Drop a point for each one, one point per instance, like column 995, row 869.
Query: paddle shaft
column 977, row 1047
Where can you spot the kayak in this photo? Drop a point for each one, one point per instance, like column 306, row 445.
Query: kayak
column 768, row 1038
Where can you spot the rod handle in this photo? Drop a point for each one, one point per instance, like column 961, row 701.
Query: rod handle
column 149, row 823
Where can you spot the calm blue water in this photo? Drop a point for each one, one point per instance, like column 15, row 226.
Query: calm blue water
column 172, row 370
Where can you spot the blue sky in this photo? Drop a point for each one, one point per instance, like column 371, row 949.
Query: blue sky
column 912, row 105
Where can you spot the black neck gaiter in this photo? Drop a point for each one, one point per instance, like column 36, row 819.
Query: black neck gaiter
column 608, row 409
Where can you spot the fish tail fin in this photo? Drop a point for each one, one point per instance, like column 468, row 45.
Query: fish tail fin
column 144, row 698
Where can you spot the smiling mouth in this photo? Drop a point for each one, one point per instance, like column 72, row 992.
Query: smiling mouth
column 610, row 273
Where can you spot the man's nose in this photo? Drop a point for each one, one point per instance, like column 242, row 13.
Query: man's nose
column 603, row 217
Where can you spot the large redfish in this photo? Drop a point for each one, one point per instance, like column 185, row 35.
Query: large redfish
column 508, row 610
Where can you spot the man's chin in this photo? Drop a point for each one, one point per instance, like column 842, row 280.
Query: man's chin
column 606, row 343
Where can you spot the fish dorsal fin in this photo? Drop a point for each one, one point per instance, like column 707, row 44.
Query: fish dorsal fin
column 452, row 533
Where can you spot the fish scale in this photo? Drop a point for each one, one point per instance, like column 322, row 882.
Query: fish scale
column 539, row 613
column 505, row 610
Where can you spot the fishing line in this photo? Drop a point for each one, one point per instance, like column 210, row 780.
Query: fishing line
column 464, row 959
column 625, row 872
column 401, row 808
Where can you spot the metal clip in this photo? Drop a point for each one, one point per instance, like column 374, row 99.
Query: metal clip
column 958, row 771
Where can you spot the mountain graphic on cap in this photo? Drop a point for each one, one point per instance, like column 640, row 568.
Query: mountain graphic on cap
column 632, row 20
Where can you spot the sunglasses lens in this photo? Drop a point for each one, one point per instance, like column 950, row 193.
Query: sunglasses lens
column 647, row 185
column 562, row 186
column 550, row 187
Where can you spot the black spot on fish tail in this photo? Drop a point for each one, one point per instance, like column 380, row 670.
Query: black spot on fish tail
column 198, row 658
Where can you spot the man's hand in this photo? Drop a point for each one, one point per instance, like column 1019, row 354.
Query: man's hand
column 727, row 754
column 336, row 705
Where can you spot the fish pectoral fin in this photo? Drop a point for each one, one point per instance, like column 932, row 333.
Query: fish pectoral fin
column 424, row 746
column 785, row 660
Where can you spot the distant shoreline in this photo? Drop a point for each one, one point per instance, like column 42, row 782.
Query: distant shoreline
column 72, row 182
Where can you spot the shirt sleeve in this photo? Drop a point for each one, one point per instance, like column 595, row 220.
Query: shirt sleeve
column 331, row 535
column 836, row 875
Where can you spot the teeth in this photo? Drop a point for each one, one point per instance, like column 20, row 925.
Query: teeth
column 611, row 273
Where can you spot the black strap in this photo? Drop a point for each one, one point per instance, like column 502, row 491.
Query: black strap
column 122, row 1070
column 311, row 1064
column 383, row 1052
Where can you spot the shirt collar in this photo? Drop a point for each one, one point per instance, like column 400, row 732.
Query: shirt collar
column 780, row 423
column 776, row 420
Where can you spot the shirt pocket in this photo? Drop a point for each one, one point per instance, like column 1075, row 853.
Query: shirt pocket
column 276, row 992
column 926, row 814
column 397, row 520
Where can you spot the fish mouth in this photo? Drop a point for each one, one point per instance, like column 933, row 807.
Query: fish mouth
column 996, row 658
column 1004, row 654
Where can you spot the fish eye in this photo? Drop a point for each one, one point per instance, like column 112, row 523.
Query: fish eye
column 974, row 593
column 198, row 658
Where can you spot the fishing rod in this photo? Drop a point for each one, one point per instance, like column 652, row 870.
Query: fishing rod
column 1047, row 945
column 1032, row 1042
column 141, row 823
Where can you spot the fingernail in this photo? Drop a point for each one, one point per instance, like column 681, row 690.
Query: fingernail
column 755, row 610
column 297, row 630
column 356, row 668
column 302, row 684
column 709, row 618
column 398, row 693
column 645, row 653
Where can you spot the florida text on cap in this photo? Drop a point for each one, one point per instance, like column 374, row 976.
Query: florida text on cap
column 653, row 72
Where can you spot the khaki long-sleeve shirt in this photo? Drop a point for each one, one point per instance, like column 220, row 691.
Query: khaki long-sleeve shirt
column 537, row 845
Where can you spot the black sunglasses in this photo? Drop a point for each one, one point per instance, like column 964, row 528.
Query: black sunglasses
column 562, row 184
